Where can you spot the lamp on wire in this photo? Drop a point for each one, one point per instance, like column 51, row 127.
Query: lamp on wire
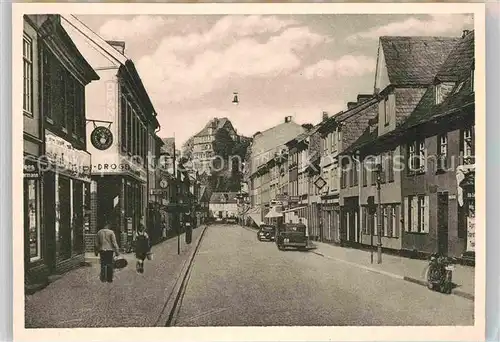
column 235, row 99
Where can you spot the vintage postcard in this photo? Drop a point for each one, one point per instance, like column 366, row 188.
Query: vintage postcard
column 249, row 172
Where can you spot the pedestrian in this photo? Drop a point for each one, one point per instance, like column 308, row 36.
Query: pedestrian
column 142, row 246
column 106, row 246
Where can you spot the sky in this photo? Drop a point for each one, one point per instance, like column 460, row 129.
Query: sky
column 280, row 65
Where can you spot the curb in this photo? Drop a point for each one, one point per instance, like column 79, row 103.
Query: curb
column 420, row 282
column 171, row 306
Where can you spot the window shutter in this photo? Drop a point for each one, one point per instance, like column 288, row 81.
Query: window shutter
column 375, row 224
column 396, row 226
column 426, row 215
column 414, row 214
column 390, row 220
column 406, row 215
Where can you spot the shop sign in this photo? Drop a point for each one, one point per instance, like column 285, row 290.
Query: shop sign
column 101, row 138
column 471, row 234
column 31, row 170
column 294, row 199
column 158, row 191
column 66, row 158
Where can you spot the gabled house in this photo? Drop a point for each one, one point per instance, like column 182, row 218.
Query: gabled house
column 406, row 68
column 223, row 205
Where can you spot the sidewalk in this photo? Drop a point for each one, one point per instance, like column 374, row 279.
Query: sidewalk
column 411, row 270
column 79, row 299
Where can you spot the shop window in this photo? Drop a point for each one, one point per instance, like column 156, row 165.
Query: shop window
column 32, row 218
column 78, row 218
column 63, row 231
column 27, row 75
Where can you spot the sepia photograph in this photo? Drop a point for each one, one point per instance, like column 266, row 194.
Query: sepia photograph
column 250, row 170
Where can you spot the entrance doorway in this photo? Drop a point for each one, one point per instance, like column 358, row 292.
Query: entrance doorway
column 442, row 233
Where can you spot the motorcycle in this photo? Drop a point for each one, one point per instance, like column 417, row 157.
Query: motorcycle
column 440, row 273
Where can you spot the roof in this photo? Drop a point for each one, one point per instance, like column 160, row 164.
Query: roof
column 275, row 136
column 223, row 197
column 341, row 116
column 459, row 101
column 220, row 123
column 460, row 61
column 415, row 60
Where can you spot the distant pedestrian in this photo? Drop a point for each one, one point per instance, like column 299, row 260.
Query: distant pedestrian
column 106, row 246
column 142, row 247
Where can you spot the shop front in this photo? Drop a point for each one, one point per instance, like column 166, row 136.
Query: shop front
column 66, row 185
column 331, row 221
column 33, row 227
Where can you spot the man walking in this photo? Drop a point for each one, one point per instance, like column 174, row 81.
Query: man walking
column 106, row 246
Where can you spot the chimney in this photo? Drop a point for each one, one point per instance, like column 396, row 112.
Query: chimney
column 324, row 117
column 118, row 45
column 351, row 105
column 364, row 97
column 464, row 33
column 288, row 119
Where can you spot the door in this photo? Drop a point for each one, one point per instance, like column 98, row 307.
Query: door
column 49, row 205
column 63, row 233
column 442, row 223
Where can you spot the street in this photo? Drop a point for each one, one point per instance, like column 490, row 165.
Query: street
column 239, row 281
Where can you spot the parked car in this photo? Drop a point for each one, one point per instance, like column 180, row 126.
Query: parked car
column 292, row 235
column 231, row 220
column 266, row 233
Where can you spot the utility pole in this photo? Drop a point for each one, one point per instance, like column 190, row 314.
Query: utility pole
column 379, row 216
column 176, row 202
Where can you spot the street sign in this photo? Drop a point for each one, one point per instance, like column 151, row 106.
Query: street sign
column 158, row 191
column 320, row 182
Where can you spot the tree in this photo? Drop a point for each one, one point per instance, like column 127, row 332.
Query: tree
column 223, row 144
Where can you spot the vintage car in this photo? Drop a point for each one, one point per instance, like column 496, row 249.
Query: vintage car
column 266, row 233
column 292, row 235
column 232, row 220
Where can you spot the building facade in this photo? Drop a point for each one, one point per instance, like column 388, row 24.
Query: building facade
column 223, row 205
column 55, row 244
column 401, row 80
column 123, row 122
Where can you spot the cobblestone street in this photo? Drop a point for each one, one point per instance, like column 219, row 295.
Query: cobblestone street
column 80, row 300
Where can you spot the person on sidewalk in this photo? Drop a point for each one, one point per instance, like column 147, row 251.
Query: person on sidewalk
column 142, row 246
column 106, row 246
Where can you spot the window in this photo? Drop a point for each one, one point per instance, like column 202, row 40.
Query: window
column 355, row 174
column 63, row 84
column 129, row 127
column 472, row 83
column 123, row 121
column 334, row 140
column 80, row 109
column 70, row 105
column 343, row 177
column 364, row 220
column 364, row 172
column 394, row 221
column 27, row 75
column 417, row 214
column 416, row 156
column 442, row 151
column 32, row 218
column 467, row 147
column 390, row 166
column 387, row 115
column 443, row 90
column 46, row 84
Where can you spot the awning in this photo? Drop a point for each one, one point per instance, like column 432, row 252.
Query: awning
column 293, row 209
column 273, row 213
column 255, row 215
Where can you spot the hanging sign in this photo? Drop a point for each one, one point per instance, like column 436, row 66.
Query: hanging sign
column 101, row 138
column 31, row 170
